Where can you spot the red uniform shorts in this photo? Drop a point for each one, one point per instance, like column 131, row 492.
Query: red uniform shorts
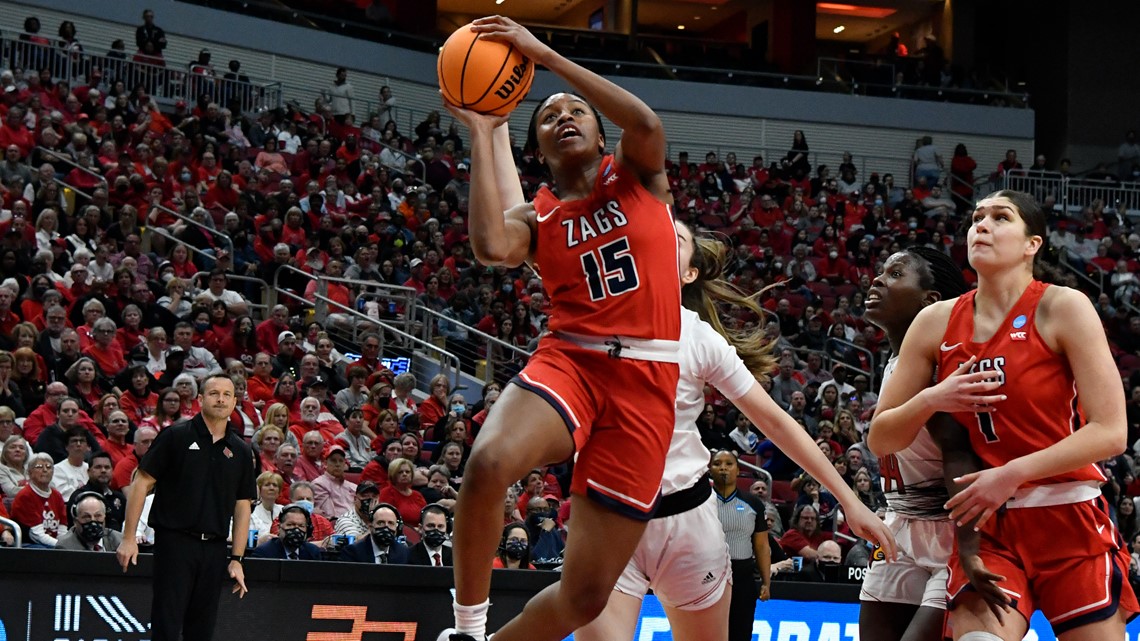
column 1066, row 560
column 620, row 412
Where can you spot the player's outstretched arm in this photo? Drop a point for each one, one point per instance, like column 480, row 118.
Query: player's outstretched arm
column 643, row 136
column 792, row 440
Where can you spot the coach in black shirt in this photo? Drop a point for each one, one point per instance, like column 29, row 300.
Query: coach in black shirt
column 202, row 476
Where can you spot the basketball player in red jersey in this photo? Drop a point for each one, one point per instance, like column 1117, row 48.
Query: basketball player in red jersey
column 1012, row 356
column 602, row 382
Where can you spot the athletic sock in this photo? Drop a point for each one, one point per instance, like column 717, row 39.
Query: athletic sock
column 472, row 619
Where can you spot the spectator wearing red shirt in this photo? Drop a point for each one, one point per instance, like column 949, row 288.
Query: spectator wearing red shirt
column 293, row 232
column 125, row 468
column 138, row 402
column 832, row 267
column 45, row 414
column 115, row 442
column 13, row 132
column 310, row 415
column 435, row 407
column 38, row 507
column 261, row 384
column 222, row 194
column 310, row 464
column 400, row 494
column 301, row 492
column 805, row 535
column 105, row 350
column 269, row 329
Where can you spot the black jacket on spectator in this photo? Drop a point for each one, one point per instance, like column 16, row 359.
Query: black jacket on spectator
column 275, row 549
column 114, row 499
column 53, row 441
column 361, row 552
column 418, row 555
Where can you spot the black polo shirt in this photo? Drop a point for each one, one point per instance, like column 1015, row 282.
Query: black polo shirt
column 198, row 480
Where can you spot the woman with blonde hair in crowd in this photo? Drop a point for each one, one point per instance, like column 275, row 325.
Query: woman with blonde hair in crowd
column 156, row 351
column 399, row 491
column 9, row 390
column 266, row 509
column 14, row 465
column 277, row 415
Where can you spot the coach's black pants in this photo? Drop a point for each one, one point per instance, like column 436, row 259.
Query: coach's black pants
column 742, row 607
column 188, row 576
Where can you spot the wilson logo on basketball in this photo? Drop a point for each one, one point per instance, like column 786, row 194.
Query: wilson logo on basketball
column 513, row 81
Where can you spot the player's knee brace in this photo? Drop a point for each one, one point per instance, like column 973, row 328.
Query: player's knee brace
column 979, row 636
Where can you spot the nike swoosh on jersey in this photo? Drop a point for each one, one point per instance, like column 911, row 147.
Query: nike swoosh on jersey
column 1100, row 528
column 550, row 213
column 946, row 348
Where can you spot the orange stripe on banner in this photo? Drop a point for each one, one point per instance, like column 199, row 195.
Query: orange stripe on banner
column 360, row 624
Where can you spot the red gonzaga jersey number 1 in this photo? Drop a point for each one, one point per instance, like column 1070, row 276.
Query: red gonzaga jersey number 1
column 1042, row 406
column 609, row 261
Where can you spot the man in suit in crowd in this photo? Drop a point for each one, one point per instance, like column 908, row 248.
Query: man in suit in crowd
column 90, row 532
column 382, row 546
column 431, row 551
column 292, row 542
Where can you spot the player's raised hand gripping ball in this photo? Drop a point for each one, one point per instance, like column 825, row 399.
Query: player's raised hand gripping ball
column 483, row 75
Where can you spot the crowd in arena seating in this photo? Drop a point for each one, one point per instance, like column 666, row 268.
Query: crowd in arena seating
column 123, row 226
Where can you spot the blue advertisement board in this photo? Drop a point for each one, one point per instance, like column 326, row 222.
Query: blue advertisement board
column 812, row 621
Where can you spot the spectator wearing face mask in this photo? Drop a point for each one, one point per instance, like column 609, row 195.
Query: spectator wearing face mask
column 301, row 493
column 90, row 533
column 514, row 548
column 431, row 550
column 382, row 545
column 355, row 521
column 294, row 525
column 542, row 530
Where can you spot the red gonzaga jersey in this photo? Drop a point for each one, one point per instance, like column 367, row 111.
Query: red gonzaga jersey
column 1042, row 406
column 609, row 261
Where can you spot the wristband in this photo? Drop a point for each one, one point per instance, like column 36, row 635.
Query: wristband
column 237, row 557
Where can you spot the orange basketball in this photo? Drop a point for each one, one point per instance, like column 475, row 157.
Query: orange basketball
column 483, row 76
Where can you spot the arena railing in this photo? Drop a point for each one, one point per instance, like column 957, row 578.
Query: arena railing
column 449, row 363
column 166, row 83
column 870, row 359
column 16, row 530
column 480, row 347
column 321, row 305
column 263, row 307
column 1073, row 194
column 389, row 300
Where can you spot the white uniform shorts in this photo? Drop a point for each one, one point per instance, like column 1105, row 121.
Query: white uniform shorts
column 683, row 558
column 919, row 575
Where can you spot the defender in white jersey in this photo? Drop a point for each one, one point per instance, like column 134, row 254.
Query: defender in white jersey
column 684, row 544
column 907, row 599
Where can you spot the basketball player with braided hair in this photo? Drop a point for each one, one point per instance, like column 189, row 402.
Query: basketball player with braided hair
column 677, row 556
column 1026, row 382
column 907, row 599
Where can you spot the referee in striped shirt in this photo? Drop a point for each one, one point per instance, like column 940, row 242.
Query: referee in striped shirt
column 746, row 531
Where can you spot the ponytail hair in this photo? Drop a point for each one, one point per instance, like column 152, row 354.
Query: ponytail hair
column 709, row 290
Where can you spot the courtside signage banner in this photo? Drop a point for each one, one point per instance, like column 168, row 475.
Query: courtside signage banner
column 122, row 615
column 84, row 596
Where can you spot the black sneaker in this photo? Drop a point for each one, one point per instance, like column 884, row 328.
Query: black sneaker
column 451, row 635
